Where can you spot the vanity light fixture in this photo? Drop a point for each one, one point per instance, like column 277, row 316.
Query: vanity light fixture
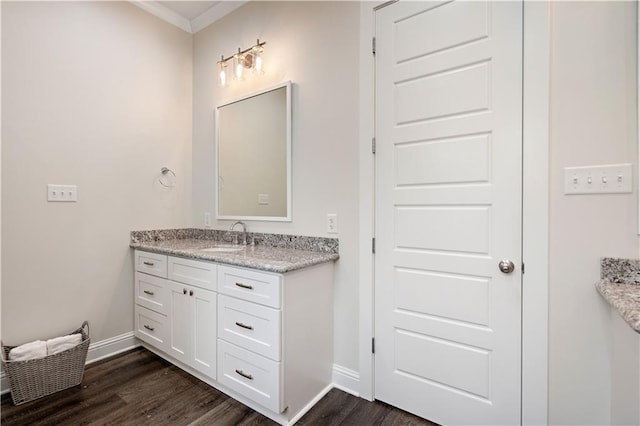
column 248, row 59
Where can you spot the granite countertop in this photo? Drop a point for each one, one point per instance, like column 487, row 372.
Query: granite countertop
column 620, row 286
column 288, row 256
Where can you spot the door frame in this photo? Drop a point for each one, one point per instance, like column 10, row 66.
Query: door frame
column 535, row 209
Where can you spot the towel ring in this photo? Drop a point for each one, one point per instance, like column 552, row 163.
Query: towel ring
column 165, row 171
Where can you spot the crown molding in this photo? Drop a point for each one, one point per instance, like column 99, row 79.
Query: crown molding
column 198, row 23
column 164, row 13
column 214, row 13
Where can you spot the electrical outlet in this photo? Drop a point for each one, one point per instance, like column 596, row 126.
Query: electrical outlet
column 62, row 193
column 263, row 199
column 207, row 219
column 332, row 223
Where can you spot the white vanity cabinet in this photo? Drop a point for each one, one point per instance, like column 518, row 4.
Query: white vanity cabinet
column 275, row 335
column 264, row 338
column 176, row 308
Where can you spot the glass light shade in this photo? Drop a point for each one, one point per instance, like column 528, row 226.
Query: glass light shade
column 222, row 74
column 238, row 66
column 257, row 60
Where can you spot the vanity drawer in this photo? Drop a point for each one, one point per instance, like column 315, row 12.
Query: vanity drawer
column 250, row 326
column 151, row 263
column 199, row 274
column 151, row 292
column 151, row 327
column 251, row 375
column 258, row 287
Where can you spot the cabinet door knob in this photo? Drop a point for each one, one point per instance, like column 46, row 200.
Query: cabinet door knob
column 190, row 292
column 184, row 291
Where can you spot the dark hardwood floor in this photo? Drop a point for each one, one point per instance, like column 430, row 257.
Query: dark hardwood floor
column 139, row 388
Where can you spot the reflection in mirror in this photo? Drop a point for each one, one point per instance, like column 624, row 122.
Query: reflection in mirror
column 254, row 156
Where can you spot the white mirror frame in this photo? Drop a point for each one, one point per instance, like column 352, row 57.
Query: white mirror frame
column 288, row 217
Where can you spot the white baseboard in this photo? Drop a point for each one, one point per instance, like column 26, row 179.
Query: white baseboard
column 97, row 351
column 112, row 346
column 310, row 405
column 346, row 380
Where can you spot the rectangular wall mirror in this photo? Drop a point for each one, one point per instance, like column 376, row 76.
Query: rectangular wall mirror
column 253, row 147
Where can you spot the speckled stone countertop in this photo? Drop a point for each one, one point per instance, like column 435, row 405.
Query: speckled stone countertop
column 620, row 286
column 272, row 252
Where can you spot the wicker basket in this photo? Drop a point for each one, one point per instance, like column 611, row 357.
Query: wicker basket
column 35, row 378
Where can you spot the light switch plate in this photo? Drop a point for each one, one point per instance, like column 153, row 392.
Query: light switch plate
column 62, row 193
column 605, row 179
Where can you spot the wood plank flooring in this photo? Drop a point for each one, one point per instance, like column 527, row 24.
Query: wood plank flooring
column 140, row 388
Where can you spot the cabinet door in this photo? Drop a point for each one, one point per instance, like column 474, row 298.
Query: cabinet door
column 151, row 292
column 204, row 337
column 251, row 375
column 151, row 263
column 180, row 322
column 254, row 286
column 151, row 327
column 192, row 272
column 250, row 326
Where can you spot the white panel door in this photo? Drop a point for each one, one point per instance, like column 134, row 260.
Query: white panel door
column 448, row 210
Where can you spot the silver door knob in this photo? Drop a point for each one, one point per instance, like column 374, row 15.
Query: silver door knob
column 506, row 266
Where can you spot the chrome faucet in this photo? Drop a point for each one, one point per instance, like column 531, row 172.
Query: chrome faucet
column 244, row 233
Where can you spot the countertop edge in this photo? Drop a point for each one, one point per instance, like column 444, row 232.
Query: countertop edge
column 620, row 297
column 265, row 266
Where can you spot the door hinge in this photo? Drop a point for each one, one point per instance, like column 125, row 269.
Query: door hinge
column 373, row 45
column 373, row 145
column 373, row 245
column 523, row 268
column 373, row 345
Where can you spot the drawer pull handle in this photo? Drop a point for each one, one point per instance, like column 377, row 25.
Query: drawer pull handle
column 245, row 375
column 149, row 263
column 248, row 287
column 148, row 327
column 248, row 327
column 150, row 293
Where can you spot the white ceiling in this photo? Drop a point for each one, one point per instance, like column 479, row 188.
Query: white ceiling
column 190, row 16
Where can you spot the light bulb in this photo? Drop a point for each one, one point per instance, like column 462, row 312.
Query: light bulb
column 223, row 77
column 222, row 72
column 239, row 70
column 238, row 65
column 257, row 63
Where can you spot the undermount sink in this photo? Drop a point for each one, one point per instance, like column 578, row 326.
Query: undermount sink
column 223, row 249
